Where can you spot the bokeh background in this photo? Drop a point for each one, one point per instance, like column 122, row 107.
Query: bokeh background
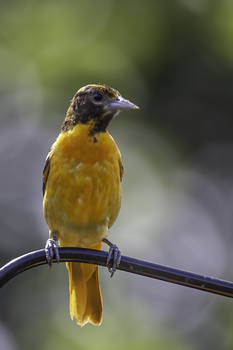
column 175, row 60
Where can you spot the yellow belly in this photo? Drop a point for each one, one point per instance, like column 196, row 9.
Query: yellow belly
column 83, row 192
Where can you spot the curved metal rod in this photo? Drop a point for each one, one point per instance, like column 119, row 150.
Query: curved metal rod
column 139, row 267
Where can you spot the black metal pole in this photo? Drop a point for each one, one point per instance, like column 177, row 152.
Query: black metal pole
column 127, row 264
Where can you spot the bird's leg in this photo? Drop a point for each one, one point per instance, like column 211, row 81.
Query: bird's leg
column 113, row 253
column 51, row 250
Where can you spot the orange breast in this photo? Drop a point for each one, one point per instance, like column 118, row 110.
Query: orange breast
column 83, row 192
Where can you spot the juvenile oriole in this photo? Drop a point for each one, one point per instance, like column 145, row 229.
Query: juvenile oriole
column 82, row 190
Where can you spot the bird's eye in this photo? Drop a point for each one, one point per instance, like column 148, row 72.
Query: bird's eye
column 97, row 96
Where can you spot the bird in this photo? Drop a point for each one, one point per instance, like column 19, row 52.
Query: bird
column 82, row 192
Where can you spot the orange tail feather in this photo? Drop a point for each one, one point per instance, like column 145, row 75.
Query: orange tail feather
column 85, row 295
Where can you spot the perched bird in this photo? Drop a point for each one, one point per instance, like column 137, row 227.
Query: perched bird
column 82, row 191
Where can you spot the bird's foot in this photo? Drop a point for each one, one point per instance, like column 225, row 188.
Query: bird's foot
column 113, row 254
column 51, row 250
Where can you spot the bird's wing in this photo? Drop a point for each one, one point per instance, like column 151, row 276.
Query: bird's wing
column 121, row 169
column 46, row 172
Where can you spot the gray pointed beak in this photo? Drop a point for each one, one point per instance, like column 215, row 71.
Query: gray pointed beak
column 120, row 103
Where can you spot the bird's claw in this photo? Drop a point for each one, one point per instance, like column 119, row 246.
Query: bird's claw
column 51, row 251
column 113, row 254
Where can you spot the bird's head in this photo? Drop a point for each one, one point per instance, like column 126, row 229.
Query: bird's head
column 95, row 103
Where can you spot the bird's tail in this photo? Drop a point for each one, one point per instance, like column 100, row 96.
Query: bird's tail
column 85, row 295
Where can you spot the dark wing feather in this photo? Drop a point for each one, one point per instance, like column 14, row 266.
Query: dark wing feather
column 121, row 169
column 46, row 172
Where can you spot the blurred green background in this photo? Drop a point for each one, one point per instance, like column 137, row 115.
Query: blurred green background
column 175, row 60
